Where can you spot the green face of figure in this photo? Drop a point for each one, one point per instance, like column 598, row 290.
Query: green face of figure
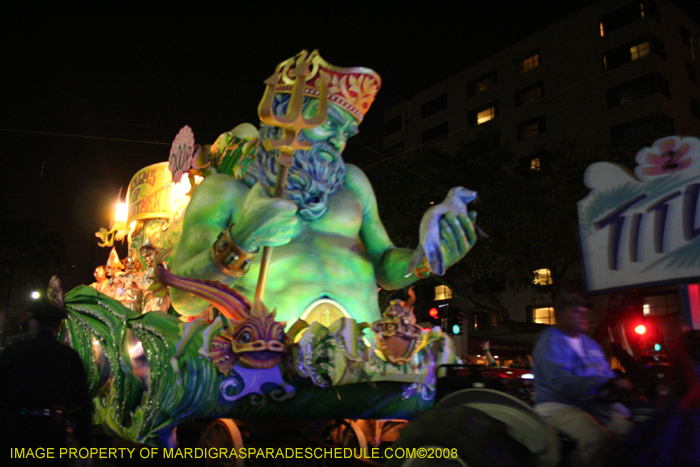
column 335, row 131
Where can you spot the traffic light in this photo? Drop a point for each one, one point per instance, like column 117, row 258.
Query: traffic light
column 644, row 336
column 454, row 321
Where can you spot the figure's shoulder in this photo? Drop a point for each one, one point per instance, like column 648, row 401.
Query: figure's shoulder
column 355, row 175
column 221, row 182
column 218, row 189
column 357, row 182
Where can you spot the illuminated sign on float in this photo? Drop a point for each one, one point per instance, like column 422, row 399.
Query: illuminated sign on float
column 149, row 193
column 643, row 228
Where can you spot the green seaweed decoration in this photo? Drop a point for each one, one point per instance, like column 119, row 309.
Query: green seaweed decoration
column 143, row 398
column 97, row 322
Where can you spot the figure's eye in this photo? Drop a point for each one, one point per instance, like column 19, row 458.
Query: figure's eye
column 330, row 123
column 280, row 336
column 245, row 337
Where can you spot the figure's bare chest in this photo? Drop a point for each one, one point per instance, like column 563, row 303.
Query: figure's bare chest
column 343, row 218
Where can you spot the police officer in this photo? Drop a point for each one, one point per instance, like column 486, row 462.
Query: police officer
column 44, row 395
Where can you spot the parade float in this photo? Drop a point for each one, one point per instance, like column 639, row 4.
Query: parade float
column 151, row 368
column 155, row 363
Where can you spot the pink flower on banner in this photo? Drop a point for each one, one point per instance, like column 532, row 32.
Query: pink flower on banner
column 181, row 153
column 665, row 156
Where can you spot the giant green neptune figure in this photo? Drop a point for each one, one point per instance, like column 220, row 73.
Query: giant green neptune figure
column 331, row 248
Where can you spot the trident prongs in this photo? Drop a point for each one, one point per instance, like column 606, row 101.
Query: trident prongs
column 292, row 122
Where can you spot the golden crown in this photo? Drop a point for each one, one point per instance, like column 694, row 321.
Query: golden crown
column 353, row 88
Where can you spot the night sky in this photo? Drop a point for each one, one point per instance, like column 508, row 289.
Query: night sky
column 91, row 95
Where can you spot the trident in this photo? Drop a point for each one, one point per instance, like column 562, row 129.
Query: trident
column 292, row 122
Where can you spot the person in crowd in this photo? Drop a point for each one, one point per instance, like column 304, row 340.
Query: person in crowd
column 570, row 370
column 44, row 393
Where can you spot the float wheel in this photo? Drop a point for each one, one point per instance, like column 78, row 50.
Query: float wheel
column 222, row 433
column 458, row 436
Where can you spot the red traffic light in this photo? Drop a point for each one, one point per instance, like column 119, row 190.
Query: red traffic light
column 433, row 313
column 640, row 329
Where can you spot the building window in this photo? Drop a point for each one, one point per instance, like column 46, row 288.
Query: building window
column 685, row 36
column 690, row 71
column 543, row 315
column 393, row 125
column 695, row 108
column 433, row 106
column 442, row 292
column 543, row 277
column 394, row 149
column 627, row 15
column 636, row 89
column 640, row 50
column 649, row 127
column 531, row 128
column 661, row 305
column 633, row 51
column 535, row 163
column 434, row 133
column 481, row 84
column 529, row 94
column 527, row 63
column 483, row 114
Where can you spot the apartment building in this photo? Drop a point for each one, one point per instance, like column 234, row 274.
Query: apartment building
column 610, row 73
column 615, row 72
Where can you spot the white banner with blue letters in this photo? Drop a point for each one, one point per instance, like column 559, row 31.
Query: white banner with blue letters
column 643, row 228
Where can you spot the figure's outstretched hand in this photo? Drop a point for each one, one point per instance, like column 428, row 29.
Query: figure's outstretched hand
column 447, row 233
column 264, row 220
column 457, row 236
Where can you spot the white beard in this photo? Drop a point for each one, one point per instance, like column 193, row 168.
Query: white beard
column 315, row 175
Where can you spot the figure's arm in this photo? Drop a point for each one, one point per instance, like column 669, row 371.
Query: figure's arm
column 222, row 205
column 389, row 261
column 457, row 236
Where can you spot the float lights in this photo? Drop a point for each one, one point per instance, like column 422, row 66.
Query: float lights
column 121, row 213
column 120, row 216
column 35, row 295
column 640, row 329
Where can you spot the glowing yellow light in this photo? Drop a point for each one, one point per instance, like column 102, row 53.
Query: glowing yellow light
column 542, row 277
column 178, row 193
column 121, row 213
column 640, row 329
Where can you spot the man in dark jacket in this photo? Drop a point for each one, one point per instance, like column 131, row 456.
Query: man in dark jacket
column 44, row 396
